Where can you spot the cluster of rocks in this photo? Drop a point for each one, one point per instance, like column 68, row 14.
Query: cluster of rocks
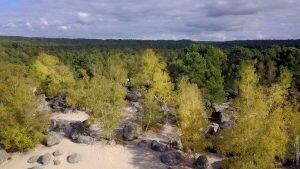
column 47, row 158
column 222, row 117
column 77, row 131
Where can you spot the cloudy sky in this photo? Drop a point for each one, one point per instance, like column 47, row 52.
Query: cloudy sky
column 152, row 19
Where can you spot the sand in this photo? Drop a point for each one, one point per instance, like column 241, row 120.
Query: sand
column 97, row 156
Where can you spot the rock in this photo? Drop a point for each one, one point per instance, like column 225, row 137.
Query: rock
column 57, row 153
column 74, row 158
column 133, row 96
column 45, row 159
column 84, row 139
column 213, row 128
column 58, row 102
column 177, row 144
column 156, row 146
column 3, row 156
column 79, row 128
column 171, row 158
column 33, row 159
column 130, row 132
column 226, row 124
column 201, row 163
column 36, row 167
column 56, row 162
column 53, row 139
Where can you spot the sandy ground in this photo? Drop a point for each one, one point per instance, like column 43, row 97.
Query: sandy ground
column 100, row 155
column 97, row 156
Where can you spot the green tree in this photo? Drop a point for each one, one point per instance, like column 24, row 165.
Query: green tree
column 22, row 126
column 203, row 65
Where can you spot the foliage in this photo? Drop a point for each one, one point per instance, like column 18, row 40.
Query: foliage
column 21, row 125
column 55, row 78
column 153, row 82
column 193, row 119
column 260, row 133
column 202, row 64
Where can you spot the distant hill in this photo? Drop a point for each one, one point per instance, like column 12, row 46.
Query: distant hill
column 136, row 44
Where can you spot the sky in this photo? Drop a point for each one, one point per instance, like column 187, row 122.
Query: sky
column 204, row 20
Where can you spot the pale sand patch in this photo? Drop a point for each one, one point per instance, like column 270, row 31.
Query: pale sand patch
column 74, row 116
column 97, row 156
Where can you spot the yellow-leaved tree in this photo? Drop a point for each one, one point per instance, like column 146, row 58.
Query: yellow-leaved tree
column 22, row 126
column 259, row 134
column 55, row 78
column 192, row 116
column 153, row 81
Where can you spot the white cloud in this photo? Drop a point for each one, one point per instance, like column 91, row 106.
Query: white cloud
column 43, row 23
column 28, row 24
column 63, row 28
column 10, row 25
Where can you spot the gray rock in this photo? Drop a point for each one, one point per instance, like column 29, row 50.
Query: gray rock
column 84, row 139
column 130, row 132
column 171, row 158
column 133, row 96
column 226, row 124
column 156, row 146
column 57, row 153
column 45, row 159
column 74, row 158
column 3, row 156
column 53, row 139
column 201, row 163
column 213, row 128
column 33, row 159
column 56, row 162
column 36, row 167
column 177, row 144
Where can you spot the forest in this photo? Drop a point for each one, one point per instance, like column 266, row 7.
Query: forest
column 261, row 80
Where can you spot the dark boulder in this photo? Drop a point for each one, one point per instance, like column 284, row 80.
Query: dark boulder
column 156, row 146
column 133, row 96
column 201, row 163
column 45, row 159
column 171, row 158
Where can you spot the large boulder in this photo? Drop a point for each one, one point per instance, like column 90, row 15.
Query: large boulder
column 45, row 159
column 171, row 158
column 201, row 163
column 53, row 139
column 157, row 146
column 3, row 156
column 74, row 158
column 130, row 132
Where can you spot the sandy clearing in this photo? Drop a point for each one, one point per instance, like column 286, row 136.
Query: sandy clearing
column 96, row 156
